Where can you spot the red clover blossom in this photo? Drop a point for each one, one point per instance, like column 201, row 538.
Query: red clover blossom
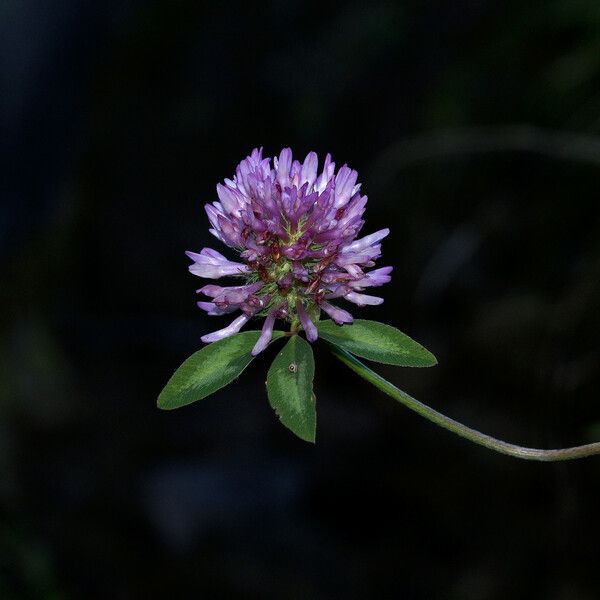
column 295, row 231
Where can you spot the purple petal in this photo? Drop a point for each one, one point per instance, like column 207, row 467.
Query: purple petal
column 363, row 299
column 344, row 184
column 231, row 329
column 309, row 169
column 229, row 231
column 309, row 327
column 373, row 278
column 213, row 215
column 256, row 155
column 266, row 335
column 337, row 314
column 354, row 210
column 358, row 258
column 368, row 240
column 231, row 200
column 326, row 175
column 216, row 234
column 216, row 256
column 212, row 265
column 283, row 167
column 213, row 310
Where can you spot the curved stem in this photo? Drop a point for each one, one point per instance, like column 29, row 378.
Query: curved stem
column 466, row 432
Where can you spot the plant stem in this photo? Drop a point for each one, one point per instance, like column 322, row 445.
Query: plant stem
column 466, row 432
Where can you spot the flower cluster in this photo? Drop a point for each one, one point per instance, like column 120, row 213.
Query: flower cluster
column 295, row 231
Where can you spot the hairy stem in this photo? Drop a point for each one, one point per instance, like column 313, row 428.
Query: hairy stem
column 466, row 432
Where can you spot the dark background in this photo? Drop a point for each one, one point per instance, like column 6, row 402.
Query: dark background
column 474, row 126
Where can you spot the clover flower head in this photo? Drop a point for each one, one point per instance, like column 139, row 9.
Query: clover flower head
column 295, row 231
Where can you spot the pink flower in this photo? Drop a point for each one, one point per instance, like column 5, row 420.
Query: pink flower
column 295, row 231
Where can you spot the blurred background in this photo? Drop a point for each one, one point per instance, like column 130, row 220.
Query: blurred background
column 475, row 128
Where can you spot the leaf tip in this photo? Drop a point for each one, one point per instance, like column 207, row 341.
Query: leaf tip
column 310, row 437
column 161, row 403
column 432, row 361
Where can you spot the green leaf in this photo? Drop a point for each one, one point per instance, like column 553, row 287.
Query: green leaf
column 378, row 342
column 210, row 369
column 289, row 387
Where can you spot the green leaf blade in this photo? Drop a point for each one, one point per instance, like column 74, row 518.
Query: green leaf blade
column 208, row 370
column 378, row 342
column 290, row 388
